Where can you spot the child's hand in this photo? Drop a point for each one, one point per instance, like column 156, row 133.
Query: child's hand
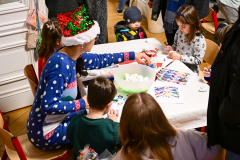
column 139, row 56
column 113, row 115
column 86, row 102
column 167, row 49
column 174, row 55
column 207, row 72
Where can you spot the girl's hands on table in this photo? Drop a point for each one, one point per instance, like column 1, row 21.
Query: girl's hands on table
column 167, row 49
column 174, row 55
column 140, row 56
column 207, row 72
column 113, row 115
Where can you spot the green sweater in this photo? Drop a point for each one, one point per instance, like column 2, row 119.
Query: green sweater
column 100, row 133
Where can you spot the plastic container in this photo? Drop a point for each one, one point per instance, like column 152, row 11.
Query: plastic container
column 154, row 26
column 152, row 54
column 134, row 87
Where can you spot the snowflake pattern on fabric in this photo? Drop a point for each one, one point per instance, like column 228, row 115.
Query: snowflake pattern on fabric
column 192, row 54
column 56, row 94
column 95, row 61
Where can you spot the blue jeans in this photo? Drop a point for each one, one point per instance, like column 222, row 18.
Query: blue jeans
column 121, row 4
column 231, row 155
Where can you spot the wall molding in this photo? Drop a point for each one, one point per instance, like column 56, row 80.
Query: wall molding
column 13, row 45
column 15, row 91
column 22, row 21
column 11, row 32
column 12, row 79
column 12, row 7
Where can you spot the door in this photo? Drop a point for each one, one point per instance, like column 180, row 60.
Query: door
column 15, row 91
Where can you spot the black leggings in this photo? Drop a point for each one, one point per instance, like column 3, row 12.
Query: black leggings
column 169, row 36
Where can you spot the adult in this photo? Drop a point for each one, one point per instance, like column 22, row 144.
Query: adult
column 97, row 11
column 168, row 9
column 55, row 104
column 223, row 120
column 230, row 9
column 121, row 5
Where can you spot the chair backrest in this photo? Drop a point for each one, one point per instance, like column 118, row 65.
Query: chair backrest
column 211, row 51
column 32, row 78
column 11, row 142
column 3, row 123
column 6, row 135
column 210, row 15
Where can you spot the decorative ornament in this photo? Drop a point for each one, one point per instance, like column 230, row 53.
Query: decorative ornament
column 77, row 27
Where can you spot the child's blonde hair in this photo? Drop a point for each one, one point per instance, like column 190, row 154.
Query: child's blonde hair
column 144, row 125
column 187, row 14
column 51, row 32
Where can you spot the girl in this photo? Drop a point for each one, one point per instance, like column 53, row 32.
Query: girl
column 149, row 135
column 54, row 104
column 189, row 43
column 51, row 40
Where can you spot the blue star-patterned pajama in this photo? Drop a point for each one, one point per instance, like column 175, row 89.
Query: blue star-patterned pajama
column 54, row 104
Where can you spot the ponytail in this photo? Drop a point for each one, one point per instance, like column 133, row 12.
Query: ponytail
column 51, row 32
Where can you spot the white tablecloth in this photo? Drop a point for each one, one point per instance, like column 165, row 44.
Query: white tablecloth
column 193, row 112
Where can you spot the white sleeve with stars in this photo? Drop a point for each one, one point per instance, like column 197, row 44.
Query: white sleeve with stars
column 199, row 49
column 174, row 46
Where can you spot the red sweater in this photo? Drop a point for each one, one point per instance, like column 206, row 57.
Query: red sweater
column 41, row 64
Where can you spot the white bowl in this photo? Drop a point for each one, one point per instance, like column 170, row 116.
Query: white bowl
column 134, row 87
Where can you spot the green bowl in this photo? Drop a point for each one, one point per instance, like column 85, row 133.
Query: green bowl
column 134, row 87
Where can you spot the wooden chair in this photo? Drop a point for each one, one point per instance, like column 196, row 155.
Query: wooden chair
column 15, row 151
column 221, row 155
column 210, row 22
column 212, row 50
column 32, row 78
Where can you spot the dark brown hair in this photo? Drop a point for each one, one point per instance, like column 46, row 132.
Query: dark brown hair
column 223, row 32
column 101, row 91
column 80, row 67
column 144, row 125
column 189, row 15
column 50, row 35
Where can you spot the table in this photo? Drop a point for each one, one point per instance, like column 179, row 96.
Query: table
column 191, row 114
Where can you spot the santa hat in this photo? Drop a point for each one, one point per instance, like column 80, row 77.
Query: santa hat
column 78, row 27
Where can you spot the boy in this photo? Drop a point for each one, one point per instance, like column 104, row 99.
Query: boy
column 92, row 128
column 130, row 28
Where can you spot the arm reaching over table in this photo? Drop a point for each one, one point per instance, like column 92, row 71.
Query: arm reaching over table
column 97, row 61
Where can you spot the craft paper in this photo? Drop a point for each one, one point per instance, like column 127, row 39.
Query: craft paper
column 166, row 93
column 173, row 76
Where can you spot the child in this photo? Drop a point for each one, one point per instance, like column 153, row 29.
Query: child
column 51, row 40
column 55, row 103
column 221, row 35
column 147, row 134
column 189, row 43
column 93, row 129
column 130, row 28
